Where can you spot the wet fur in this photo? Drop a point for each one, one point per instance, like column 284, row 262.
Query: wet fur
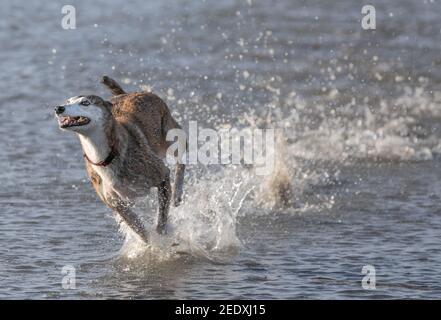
column 136, row 125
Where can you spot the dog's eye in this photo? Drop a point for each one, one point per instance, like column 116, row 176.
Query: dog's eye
column 85, row 103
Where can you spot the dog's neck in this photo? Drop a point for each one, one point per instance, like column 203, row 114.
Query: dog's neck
column 97, row 144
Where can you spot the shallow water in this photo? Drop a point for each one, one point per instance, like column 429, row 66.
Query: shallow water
column 360, row 111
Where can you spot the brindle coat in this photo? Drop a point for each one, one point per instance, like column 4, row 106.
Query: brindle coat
column 136, row 127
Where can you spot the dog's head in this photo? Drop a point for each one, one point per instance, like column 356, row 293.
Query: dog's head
column 82, row 113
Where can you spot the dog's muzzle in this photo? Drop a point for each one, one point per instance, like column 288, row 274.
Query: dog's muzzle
column 59, row 109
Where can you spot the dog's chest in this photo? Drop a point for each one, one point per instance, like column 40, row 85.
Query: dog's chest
column 107, row 183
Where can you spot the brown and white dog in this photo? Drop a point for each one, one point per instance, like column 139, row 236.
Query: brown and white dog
column 124, row 146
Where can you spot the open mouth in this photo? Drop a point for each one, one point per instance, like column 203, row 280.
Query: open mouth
column 66, row 122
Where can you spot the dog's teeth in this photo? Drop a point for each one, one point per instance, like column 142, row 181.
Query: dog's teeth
column 73, row 121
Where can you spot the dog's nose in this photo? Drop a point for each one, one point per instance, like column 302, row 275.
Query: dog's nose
column 59, row 109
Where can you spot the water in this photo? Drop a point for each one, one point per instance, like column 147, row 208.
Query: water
column 360, row 146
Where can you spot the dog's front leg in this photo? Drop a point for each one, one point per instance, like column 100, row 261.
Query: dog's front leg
column 128, row 216
column 164, row 195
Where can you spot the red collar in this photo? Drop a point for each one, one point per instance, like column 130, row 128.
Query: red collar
column 113, row 153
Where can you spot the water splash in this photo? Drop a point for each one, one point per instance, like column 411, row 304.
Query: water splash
column 204, row 225
column 311, row 148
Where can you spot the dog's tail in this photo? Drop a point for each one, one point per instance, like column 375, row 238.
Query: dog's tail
column 112, row 85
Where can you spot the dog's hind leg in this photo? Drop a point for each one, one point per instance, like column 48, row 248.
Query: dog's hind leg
column 178, row 184
column 164, row 192
column 180, row 157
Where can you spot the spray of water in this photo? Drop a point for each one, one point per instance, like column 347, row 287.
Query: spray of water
column 205, row 225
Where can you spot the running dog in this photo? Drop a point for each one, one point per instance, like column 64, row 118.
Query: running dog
column 124, row 146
